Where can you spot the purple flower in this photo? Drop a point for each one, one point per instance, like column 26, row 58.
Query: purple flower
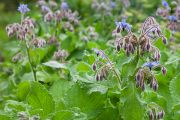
column 172, row 18
column 45, row 9
column 165, row 4
column 23, row 8
column 123, row 25
column 99, row 52
column 151, row 64
column 112, row 4
column 64, row 6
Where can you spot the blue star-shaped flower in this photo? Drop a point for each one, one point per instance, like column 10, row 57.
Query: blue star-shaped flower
column 123, row 25
column 150, row 64
column 64, row 6
column 172, row 18
column 165, row 4
column 23, row 8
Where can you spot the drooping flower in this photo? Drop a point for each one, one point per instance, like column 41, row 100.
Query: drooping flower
column 99, row 52
column 64, row 6
column 123, row 25
column 151, row 64
column 23, row 8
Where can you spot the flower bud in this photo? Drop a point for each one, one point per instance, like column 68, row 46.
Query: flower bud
column 130, row 47
column 148, row 45
column 138, row 76
column 118, row 47
column 94, row 66
column 160, row 114
column 143, row 86
column 164, row 70
column 48, row 17
column 101, row 77
column 137, row 83
column 118, row 30
column 97, row 77
column 151, row 115
column 164, row 40
column 155, row 86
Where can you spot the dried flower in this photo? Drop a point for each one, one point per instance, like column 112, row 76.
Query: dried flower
column 23, row 8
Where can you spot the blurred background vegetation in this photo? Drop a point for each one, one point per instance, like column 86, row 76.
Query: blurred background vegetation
column 8, row 14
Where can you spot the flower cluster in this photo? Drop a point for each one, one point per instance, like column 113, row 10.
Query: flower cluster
column 154, row 114
column 173, row 19
column 103, row 6
column 17, row 57
column 145, row 74
column 22, row 30
column 150, row 30
column 103, row 65
column 65, row 15
column 38, row 42
column 107, row 6
column 127, row 42
column 102, row 72
column 61, row 55
column 88, row 34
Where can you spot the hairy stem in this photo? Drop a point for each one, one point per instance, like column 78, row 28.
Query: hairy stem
column 28, row 54
column 119, row 80
column 30, row 62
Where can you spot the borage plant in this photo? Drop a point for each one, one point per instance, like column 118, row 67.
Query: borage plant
column 25, row 33
column 143, row 48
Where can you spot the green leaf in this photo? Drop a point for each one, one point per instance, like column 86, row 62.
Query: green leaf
column 23, row 90
column 83, row 67
column 55, row 64
column 175, row 88
column 91, row 104
column 5, row 117
column 98, row 88
column 129, row 67
column 63, row 115
column 108, row 114
column 59, row 89
column 132, row 108
column 13, row 107
column 37, row 55
column 40, row 100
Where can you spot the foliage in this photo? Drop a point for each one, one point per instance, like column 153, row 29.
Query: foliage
column 71, row 65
